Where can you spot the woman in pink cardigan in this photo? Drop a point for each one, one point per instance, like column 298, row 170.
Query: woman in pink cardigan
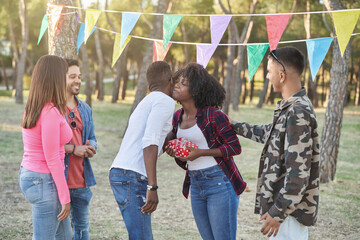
column 45, row 132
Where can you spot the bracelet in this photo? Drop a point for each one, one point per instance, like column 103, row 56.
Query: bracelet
column 152, row 188
column 73, row 149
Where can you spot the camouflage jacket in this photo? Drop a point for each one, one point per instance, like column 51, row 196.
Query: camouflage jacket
column 288, row 178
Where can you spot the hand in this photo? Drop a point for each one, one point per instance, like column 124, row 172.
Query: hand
column 65, row 211
column 151, row 202
column 194, row 153
column 90, row 151
column 270, row 226
column 170, row 151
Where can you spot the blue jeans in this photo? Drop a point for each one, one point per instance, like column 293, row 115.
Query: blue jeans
column 129, row 189
column 80, row 200
column 40, row 190
column 214, row 203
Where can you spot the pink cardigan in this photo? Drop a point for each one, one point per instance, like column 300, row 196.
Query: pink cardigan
column 44, row 148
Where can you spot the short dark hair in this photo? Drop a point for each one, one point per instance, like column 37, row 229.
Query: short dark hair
column 72, row 62
column 205, row 89
column 290, row 56
column 158, row 74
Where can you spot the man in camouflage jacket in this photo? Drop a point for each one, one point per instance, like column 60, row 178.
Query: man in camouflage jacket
column 288, row 178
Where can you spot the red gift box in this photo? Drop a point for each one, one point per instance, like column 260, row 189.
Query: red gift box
column 179, row 145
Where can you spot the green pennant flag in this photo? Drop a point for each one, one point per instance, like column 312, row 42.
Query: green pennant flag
column 43, row 28
column 255, row 55
column 170, row 23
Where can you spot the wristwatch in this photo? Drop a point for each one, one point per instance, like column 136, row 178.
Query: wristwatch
column 152, row 188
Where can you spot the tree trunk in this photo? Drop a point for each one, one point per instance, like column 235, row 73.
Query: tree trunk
column 64, row 43
column 357, row 94
column 330, row 138
column 15, row 52
column 311, row 88
column 244, row 38
column 4, row 74
column 22, row 60
column 125, row 81
column 142, row 84
column 186, row 46
column 100, row 94
column 265, row 86
column 85, row 65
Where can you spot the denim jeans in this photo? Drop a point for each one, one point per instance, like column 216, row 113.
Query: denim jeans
column 129, row 189
column 40, row 190
column 80, row 200
column 214, row 203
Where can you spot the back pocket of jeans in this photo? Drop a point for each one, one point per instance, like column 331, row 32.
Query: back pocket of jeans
column 31, row 188
column 121, row 192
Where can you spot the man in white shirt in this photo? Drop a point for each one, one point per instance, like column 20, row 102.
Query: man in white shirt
column 133, row 172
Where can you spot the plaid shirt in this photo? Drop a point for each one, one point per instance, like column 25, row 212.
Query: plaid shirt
column 218, row 133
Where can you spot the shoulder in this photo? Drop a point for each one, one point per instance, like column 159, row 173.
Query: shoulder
column 50, row 111
column 214, row 112
column 84, row 105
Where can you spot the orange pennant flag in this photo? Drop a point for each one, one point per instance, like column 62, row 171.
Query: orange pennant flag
column 159, row 53
column 54, row 14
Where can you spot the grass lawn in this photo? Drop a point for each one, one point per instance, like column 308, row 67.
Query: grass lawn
column 339, row 213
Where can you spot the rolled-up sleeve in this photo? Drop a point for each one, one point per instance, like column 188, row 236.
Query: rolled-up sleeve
column 158, row 119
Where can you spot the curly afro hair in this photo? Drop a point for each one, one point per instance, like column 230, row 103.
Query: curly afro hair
column 205, row 89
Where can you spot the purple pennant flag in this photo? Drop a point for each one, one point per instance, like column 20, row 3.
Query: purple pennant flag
column 218, row 24
column 77, row 17
column 204, row 53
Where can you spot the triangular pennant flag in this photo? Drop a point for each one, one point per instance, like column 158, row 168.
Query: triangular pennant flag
column 81, row 35
column 170, row 23
column 344, row 25
column 43, row 28
column 117, row 49
column 255, row 54
column 54, row 12
column 204, row 53
column 218, row 25
column 276, row 25
column 317, row 50
column 91, row 17
column 128, row 21
column 158, row 51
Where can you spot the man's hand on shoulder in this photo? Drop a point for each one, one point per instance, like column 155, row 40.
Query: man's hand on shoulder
column 271, row 226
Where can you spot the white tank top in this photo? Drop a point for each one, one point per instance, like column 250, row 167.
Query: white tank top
column 195, row 135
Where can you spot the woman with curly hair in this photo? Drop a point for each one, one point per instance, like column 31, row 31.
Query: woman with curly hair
column 216, row 182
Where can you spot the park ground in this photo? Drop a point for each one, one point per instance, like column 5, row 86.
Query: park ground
column 339, row 211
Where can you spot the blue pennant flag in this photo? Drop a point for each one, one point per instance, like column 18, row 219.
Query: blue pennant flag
column 128, row 21
column 317, row 50
column 81, row 36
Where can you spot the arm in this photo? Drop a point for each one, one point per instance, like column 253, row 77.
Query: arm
column 257, row 133
column 50, row 129
column 150, row 159
column 298, row 155
column 158, row 119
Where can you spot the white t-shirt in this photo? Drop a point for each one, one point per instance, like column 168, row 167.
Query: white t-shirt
column 195, row 135
column 148, row 125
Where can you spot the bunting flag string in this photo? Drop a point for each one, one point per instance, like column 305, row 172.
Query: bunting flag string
column 218, row 25
column 275, row 25
column 233, row 15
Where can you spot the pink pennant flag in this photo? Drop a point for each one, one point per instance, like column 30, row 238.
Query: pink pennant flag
column 204, row 53
column 54, row 13
column 218, row 25
column 159, row 53
column 276, row 25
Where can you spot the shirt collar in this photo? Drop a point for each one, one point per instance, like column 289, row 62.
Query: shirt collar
column 282, row 104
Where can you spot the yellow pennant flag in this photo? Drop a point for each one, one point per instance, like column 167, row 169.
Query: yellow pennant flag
column 91, row 17
column 117, row 49
column 344, row 25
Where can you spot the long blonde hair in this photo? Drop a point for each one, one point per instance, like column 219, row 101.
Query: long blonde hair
column 48, row 85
